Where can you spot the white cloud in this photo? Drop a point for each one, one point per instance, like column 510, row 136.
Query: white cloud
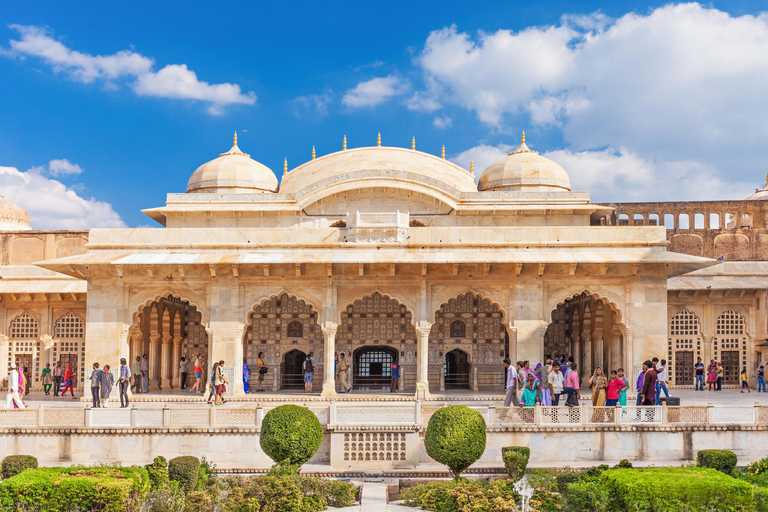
column 482, row 156
column 442, row 121
column 316, row 103
column 375, row 91
column 422, row 102
column 53, row 205
column 63, row 167
column 174, row 81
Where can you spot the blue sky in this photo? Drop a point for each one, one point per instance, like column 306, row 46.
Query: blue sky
column 106, row 108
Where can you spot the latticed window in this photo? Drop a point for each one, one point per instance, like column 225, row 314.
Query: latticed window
column 684, row 323
column 295, row 330
column 730, row 322
column 69, row 326
column 24, row 326
column 458, row 329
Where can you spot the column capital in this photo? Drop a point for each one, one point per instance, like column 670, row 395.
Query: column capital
column 424, row 331
column 46, row 340
column 329, row 331
column 155, row 337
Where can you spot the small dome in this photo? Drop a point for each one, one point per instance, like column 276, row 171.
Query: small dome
column 524, row 170
column 234, row 172
column 760, row 194
column 12, row 216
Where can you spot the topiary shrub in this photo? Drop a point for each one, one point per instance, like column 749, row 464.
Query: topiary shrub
column 158, row 473
column 585, row 496
column 184, row 470
column 75, row 488
column 721, row 460
column 455, row 437
column 515, row 460
column 15, row 464
column 623, row 464
column 290, row 434
column 676, row 489
column 761, row 499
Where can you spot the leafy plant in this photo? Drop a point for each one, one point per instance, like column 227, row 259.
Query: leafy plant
column 15, row 464
column 515, row 460
column 166, row 498
column 185, row 471
column 290, row 434
column 585, row 496
column 158, row 473
column 463, row 496
column 623, row 464
column 545, row 501
column 721, row 460
column 455, row 437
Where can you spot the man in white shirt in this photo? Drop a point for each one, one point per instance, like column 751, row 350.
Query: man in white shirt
column 13, row 390
column 555, row 381
column 511, row 397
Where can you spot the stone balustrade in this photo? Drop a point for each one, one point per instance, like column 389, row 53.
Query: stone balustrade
column 412, row 416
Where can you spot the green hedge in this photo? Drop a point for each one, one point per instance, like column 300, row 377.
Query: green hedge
column 184, row 470
column 292, row 493
column 515, row 460
column 721, row 460
column 15, row 464
column 463, row 495
column 676, row 489
column 290, row 434
column 78, row 488
column 455, row 437
column 158, row 473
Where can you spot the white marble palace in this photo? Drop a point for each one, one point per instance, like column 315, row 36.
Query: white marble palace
column 383, row 253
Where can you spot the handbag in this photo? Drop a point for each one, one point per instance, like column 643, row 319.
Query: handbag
column 263, row 370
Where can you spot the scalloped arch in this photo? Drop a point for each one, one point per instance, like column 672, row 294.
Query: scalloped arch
column 603, row 298
column 317, row 308
column 156, row 298
column 470, row 291
column 383, row 294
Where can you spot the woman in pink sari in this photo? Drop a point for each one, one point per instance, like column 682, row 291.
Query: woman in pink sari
column 22, row 385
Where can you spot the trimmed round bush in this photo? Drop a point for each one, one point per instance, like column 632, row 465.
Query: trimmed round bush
column 158, row 473
column 455, row 437
column 184, row 470
column 290, row 434
column 721, row 460
column 15, row 464
column 515, row 460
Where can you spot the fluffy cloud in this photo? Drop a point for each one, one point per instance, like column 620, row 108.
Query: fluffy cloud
column 63, row 167
column 317, row 104
column 482, row 156
column 375, row 91
column 681, row 87
column 442, row 121
column 53, row 205
column 174, row 81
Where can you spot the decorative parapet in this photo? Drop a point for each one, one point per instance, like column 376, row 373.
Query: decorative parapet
column 386, row 227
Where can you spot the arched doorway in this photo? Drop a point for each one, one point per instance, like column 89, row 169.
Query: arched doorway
column 456, row 368
column 588, row 328
column 292, row 370
column 278, row 326
column 471, row 325
column 167, row 329
column 372, row 367
column 378, row 329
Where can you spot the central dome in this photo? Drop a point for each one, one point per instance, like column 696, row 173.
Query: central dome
column 524, row 170
column 234, row 172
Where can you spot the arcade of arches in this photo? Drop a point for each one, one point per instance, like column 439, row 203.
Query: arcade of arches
column 586, row 327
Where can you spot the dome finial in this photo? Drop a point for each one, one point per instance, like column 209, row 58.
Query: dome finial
column 344, row 146
column 471, row 167
column 285, row 166
column 378, row 140
column 522, row 148
column 313, row 152
column 413, row 144
column 235, row 144
column 442, row 155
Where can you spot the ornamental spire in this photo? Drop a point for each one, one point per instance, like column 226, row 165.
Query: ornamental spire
column 235, row 143
column 442, row 155
column 413, row 144
column 285, row 166
column 344, row 146
column 313, row 152
column 522, row 148
column 235, row 150
column 378, row 140
column 471, row 167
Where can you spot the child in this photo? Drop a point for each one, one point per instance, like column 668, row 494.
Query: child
column 615, row 385
column 744, row 383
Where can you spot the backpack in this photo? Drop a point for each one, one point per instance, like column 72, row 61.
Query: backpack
column 309, row 366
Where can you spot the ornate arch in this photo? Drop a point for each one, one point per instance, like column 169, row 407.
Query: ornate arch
column 387, row 295
column 731, row 310
column 23, row 325
column 157, row 297
column 279, row 293
column 685, row 322
column 67, row 325
column 398, row 319
column 599, row 296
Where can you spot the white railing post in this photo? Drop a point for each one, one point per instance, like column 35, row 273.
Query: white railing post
column 134, row 416
column 166, row 416
column 474, row 379
column 757, row 412
column 212, row 416
column 259, row 416
column 584, row 414
column 710, row 414
column 332, row 413
column 664, row 413
column 537, row 415
column 88, row 412
column 617, row 415
column 491, row 415
column 417, row 413
column 40, row 415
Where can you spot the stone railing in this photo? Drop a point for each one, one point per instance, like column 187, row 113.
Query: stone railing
column 386, row 415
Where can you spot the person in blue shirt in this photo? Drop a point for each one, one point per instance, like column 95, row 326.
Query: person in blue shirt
column 395, row 370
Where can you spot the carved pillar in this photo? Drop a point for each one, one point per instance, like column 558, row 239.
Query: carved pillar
column 329, row 350
column 46, row 352
column 599, row 347
column 154, row 360
column 576, row 350
column 587, row 358
column 165, row 362
column 617, row 351
column 176, row 359
column 422, row 361
column 4, row 354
